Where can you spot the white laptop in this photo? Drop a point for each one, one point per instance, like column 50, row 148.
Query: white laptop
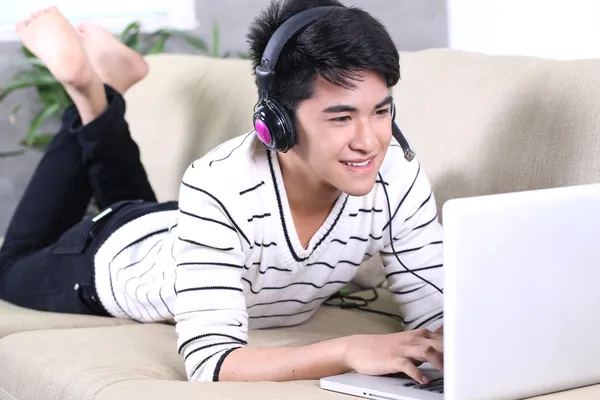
column 522, row 300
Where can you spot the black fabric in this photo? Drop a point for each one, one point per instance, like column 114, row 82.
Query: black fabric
column 47, row 260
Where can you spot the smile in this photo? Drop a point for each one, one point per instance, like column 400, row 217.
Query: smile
column 358, row 164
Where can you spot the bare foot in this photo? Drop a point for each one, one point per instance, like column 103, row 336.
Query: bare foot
column 49, row 36
column 118, row 66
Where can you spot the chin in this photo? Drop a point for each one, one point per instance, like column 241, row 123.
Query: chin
column 356, row 181
column 357, row 189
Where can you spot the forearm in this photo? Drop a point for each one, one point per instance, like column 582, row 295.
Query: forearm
column 286, row 363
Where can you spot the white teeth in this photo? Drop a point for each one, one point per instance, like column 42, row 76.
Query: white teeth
column 362, row 164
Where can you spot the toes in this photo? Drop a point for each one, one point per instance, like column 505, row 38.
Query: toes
column 40, row 12
column 34, row 15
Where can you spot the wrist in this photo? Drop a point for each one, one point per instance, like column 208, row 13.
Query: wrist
column 344, row 347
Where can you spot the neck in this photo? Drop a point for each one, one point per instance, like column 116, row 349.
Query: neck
column 306, row 192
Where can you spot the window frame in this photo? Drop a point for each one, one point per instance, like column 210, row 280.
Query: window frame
column 178, row 14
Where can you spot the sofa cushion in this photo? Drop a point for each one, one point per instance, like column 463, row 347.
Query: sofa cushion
column 141, row 361
column 18, row 319
column 302, row 390
column 80, row 363
column 155, row 390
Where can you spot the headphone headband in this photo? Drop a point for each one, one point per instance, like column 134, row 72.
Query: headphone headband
column 265, row 72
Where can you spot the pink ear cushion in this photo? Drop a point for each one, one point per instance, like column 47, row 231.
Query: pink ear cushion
column 262, row 131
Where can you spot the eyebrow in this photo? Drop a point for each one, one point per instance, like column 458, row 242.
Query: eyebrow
column 340, row 108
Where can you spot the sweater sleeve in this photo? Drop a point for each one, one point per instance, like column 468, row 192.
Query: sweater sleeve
column 417, row 243
column 210, row 308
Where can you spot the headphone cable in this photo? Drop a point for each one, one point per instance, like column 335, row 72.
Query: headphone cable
column 392, row 240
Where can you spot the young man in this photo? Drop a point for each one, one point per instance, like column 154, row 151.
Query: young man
column 258, row 238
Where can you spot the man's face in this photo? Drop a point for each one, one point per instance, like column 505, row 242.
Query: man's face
column 343, row 134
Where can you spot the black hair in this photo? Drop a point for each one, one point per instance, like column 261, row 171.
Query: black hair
column 337, row 47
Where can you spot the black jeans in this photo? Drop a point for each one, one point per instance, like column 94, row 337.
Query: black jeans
column 47, row 260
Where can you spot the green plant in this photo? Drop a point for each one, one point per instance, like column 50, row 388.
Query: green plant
column 53, row 97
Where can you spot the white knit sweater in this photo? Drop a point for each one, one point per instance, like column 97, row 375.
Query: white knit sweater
column 230, row 259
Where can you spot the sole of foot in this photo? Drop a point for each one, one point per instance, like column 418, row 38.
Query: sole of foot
column 52, row 39
column 117, row 65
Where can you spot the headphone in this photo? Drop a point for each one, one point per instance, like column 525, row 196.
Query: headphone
column 274, row 126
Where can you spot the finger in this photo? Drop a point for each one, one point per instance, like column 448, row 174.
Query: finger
column 422, row 332
column 426, row 354
column 412, row 371
column 437, row 343
column 436, row 336
column 436, row 359
column 419, row 334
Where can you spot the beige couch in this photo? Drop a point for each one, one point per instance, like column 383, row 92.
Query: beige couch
column 480, row 124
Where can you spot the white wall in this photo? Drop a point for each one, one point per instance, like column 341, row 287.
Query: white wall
column 561, row 29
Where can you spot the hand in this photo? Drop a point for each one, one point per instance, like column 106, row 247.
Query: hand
column 397, row 352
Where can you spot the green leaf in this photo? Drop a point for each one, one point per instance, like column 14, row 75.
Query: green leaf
column 54, row 95
column 191, row 40
column 131, row 35
column 47, row 95
column 158, row 46
column 36, row 62
column 25, row 83
column 215, row 44
column 63, row 98
column 44, row 114
column 42, row 141
column 129, row 29
column 42, row 77
column 35, row 74
column 27, row 53
column 195, row 42
column 12, row 87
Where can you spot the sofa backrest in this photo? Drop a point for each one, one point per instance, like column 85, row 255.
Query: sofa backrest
column 491, row 124
column 186, row 106
column 480, row 124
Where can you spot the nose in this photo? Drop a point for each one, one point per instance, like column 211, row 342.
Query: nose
column 364, row 139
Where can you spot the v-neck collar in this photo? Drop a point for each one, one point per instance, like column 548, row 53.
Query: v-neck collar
column 292, row 249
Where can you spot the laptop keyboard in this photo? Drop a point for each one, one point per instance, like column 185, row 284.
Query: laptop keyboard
column 435, row 386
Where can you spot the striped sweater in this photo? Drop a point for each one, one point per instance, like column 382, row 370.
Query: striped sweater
column 229, row 259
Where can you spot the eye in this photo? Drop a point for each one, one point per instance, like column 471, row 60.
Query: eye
column 340, row 119
column 383, row 112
